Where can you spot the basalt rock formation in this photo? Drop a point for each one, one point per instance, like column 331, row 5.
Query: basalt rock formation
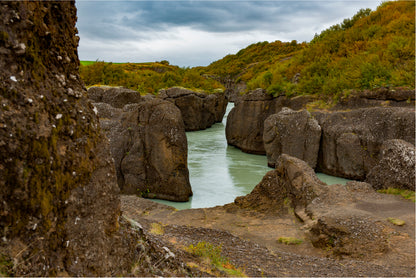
column 294, row 133
column 245, row 122
column 59, row 203
column 352, row 140
column 199, row 111
column 148, row 143
column 396, row 168
column 338, row 218
column 398, row 97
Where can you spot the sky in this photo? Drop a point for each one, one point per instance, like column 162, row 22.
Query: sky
column 191, row 33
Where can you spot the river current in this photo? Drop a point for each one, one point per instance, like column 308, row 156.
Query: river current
column 219, row 173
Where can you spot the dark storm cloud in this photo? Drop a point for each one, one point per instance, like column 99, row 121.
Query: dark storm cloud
column 113, row 28
column 114, row 19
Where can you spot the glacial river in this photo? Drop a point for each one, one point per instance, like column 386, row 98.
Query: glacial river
column 219, row 173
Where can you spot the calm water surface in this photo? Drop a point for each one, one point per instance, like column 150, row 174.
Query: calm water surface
column 219, row 173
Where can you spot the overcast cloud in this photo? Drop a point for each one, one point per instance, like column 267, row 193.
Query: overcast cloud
column 196, row 33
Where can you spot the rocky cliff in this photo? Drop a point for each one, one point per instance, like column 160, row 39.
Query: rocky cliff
column 352, row 140
column 245, row 122
column 59, row 204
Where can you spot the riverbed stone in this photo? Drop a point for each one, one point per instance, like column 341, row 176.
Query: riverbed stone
column 396, row 168
column 294, row 133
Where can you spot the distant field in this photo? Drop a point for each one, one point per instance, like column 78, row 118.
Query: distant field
column 87, row 63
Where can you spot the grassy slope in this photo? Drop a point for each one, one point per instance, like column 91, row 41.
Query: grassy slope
column 370, row 50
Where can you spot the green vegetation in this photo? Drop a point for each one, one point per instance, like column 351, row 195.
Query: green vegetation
column 395, row 221
column 289, row 240
column 212, row 255
column 407, row 194
column 6, row 266
column 146, row 78
column 157, row 229
column 370, row 50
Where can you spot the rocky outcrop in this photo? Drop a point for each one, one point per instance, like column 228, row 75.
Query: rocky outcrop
column 397, row 97
column 148, row 143
column 116, row 97
column 294, row 133
column 59, row 206
column 245, row 122
column 352, row 140
column 396, row 168
column 338, row 218
column 199, row 111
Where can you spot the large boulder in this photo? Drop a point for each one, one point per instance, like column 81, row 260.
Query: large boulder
column 59, row 205
column 396, row 168
column 199, row 110
column 351, row 140
column 346, row 220
column 149, row 146
column 295, row 133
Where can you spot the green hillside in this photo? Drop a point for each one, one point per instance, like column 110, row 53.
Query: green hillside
column 146, row 78
column 368, row 51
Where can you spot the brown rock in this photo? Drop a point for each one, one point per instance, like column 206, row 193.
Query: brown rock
column 352, row 140
column 294, row 133
column 149, row 146
column 116, row 97
column 245, row 122
column 396, row 168
column 59, row 205
column 340, row 219
column 199, row 111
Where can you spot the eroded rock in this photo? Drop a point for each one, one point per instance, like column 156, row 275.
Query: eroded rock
column 294, row 133
column 149, row 146
column 245, row 122
column 352, row 140
column 199, row 111
column 342, row 219
column 396, row 168
column 59, row 206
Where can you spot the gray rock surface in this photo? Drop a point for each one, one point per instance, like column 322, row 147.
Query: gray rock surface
column 294, row 133
column 351, row 140
column 199, row 111
column 396, row 168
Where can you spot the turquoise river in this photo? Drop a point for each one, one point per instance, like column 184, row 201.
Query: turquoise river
column 219, row 173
